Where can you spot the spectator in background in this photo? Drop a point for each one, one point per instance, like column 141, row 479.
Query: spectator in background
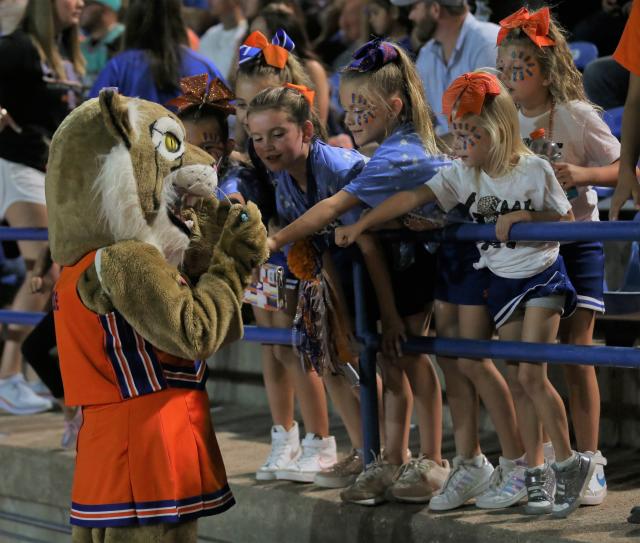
column 40, row 66
column 11, row 12
column 336, row 47
column 391, row 22
column 605, row 81
column 156, row 54
column 456, row 43
column 102, row 35
column 220, row 43
column 628, row 187
column 276, row 16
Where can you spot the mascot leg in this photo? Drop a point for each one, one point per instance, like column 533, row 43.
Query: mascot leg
column 182, row 532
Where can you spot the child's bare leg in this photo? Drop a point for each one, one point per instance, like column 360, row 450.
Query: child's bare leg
column 347, row 405
column 426, row 391
column 461, row 394
column 475, row 323
column 398, row 403
column 582, row 382
column 277, row 379
column 541, row 326
column 528, row 423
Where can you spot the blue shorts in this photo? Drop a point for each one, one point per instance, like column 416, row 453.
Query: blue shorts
column 412, row 285
column 584, row 261
column 505, row 295
column 457, row 281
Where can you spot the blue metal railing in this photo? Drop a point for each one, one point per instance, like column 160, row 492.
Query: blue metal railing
column 508, row 350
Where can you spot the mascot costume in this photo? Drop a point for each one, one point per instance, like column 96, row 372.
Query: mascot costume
column 154, row 269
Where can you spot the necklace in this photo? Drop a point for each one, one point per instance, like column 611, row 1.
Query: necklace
column 551, row 112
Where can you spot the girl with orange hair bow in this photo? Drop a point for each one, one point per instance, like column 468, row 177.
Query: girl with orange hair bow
column 499, row 181
column 537, row 67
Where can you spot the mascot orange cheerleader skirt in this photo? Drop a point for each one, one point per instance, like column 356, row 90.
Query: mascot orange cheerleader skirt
column 147, row 451
column 150, row 459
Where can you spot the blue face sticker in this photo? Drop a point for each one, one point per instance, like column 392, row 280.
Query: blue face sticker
column 522, row 65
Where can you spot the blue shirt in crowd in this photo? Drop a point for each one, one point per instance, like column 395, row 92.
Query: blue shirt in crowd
column 131, row 73
column 475, row 48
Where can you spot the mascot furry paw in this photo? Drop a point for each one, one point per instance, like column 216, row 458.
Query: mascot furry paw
column 153, row 274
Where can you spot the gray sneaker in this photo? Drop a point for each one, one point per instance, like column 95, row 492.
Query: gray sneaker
column 572, row 483
column 343, row 473
column 540, row 483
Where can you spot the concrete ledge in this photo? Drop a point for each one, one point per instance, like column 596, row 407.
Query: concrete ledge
column 36, row 477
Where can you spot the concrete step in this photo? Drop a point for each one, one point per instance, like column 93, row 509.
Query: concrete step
column 35, row 481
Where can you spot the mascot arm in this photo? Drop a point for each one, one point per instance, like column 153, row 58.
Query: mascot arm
column 189, row 322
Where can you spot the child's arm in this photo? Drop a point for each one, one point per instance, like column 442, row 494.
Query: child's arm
column 393, row 329
column 570, row 175
column 320, row 215
column 399, row 204
column 506, row 221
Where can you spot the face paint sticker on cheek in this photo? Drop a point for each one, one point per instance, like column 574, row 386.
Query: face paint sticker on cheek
column 363, row 111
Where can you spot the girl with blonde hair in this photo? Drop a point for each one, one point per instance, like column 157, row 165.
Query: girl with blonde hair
column 499, row 181
column 537, row 67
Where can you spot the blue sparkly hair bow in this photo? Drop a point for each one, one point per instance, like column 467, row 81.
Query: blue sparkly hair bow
column 275, row 53
column 372, row 56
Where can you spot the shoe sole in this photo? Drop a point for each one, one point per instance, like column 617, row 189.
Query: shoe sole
column 265, row 476
column 528, row 510
column 10, row 408
column 323, row 482
column 412, row 499
column 295, row 476
column 564, row 513
column 470, row 495
column 377, row 500
column 508, row 503
column 595, row 500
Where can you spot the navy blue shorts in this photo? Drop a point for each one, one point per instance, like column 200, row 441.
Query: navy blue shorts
column 505, row 295
column 412, row 284
column 584, row 261
column 457, row 281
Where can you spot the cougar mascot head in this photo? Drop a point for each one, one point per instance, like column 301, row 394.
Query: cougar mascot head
column 154, row 268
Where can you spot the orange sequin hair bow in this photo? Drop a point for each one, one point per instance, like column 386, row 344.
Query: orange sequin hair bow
column 469, row 91
column 309, row 94
column 275, row 53
column 535, row 25
column 196, row 91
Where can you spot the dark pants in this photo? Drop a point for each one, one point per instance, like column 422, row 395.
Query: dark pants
column 606, row 82
column 37, row 348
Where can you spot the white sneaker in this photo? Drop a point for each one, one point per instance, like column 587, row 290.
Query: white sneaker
column 506, row 487
column 468, row 478
column 596, row 491
column 18, row 399
column 285, row 449
column 318, row 454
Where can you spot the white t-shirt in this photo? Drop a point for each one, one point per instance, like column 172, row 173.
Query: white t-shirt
column 586, row 141
column 531, row 185
column 220, row 45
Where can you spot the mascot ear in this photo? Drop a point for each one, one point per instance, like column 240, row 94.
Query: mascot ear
column 115, row 114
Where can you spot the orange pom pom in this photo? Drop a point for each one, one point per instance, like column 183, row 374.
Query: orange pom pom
column 303, row 260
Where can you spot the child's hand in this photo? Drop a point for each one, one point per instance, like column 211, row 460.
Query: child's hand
column 393, row 334
column 506, row 221
column 346, row 235
column 36, row 284
column 272, row 245
column 570, row 175
column 7, row 120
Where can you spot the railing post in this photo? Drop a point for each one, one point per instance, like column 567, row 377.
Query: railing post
column 368, row 384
